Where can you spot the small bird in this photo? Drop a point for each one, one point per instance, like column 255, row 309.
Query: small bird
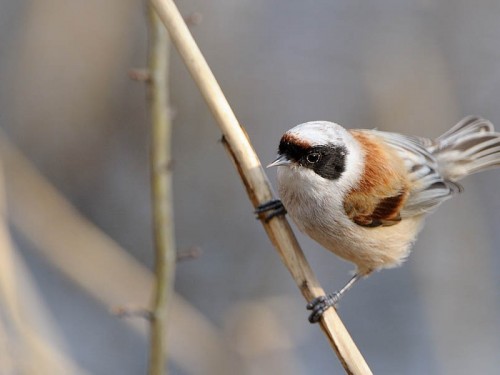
column 364, row 194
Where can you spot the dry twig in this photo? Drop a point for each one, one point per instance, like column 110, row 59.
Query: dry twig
column 161, row 191
column 257, row 184
column 194, row 252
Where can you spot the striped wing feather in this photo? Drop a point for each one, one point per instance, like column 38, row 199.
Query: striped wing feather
column 428, row 188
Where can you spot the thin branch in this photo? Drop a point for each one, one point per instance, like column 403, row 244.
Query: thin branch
column 194, row 252
column 131, row 312
column 161, row 191
column 139, row 75
column 257, row 184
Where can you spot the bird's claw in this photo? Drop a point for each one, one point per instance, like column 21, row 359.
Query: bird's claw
column 320, row 304
column 273, row 207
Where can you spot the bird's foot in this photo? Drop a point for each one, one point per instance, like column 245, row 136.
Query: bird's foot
column 272, row 208
column 320, row 304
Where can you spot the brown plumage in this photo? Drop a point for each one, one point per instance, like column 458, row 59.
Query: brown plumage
column 383, row 189
column 297, row 141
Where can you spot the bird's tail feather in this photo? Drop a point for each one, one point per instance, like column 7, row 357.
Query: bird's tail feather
column 469, row 147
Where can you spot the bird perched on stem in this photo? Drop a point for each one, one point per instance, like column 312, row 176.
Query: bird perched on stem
column 364, row 194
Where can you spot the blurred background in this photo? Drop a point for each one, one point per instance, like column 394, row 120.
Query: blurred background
column 74, row 186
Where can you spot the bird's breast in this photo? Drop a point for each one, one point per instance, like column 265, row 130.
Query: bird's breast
column 319, row 213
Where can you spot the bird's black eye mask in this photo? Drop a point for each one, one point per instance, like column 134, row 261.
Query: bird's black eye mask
column 328, row 161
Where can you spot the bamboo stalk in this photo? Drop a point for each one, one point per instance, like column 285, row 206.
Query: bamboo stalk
column 161, row 193
column 257, row 184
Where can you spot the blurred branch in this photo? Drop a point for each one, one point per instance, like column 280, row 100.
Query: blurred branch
column 257, row 184
column 139, row 75
column 30, row 342
column 193, row 19
column 161, row 192
column 131, row 312
column 193, row 252
column 101, row 267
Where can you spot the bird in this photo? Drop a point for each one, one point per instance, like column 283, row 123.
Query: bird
column 364, row 194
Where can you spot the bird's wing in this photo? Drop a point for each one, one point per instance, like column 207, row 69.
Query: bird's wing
column 428, row 188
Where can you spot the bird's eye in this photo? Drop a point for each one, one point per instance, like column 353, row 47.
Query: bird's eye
column 313, row 157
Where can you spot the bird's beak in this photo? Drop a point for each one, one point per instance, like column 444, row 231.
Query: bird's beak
column 280, row 160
